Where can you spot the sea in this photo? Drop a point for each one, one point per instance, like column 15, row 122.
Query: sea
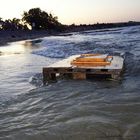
column 97, row 109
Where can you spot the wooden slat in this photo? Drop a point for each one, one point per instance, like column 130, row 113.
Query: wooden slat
column 64, row 67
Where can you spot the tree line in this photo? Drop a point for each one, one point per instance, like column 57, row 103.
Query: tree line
column 34, row 19
column 37, row 19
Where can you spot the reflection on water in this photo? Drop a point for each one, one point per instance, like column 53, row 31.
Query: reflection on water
column 12, row 49
column 69, row 109
column 20, row 47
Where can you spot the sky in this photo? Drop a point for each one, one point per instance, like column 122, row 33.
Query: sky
column 76, row 11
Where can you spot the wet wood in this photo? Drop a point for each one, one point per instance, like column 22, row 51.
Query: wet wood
column 65, row 67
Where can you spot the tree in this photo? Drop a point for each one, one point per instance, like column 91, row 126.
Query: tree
column 1, row 19
column 1, row 23
column 39, row 19
column 7, row 25
column 14, row 24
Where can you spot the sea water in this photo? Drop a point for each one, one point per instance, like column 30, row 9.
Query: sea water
column 69, row 109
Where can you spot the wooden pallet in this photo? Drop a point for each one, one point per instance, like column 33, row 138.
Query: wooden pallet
column 64, row 67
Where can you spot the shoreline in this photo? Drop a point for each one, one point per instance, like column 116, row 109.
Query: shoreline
column 12, row 36
column 19, row 35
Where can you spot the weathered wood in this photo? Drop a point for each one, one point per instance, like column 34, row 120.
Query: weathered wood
column 65, row 68
column 45, row 76
column 48, row 77
column 79, row 76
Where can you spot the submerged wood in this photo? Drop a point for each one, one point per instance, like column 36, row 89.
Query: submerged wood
column 66, row 67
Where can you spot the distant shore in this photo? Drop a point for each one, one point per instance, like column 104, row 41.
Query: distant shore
column 8, row 36
column 12, row 36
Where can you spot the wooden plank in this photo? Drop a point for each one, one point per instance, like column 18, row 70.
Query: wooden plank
column 64, row 67
column 116, row 63
column 90, row 64
column 79, row 76
column 48, row 77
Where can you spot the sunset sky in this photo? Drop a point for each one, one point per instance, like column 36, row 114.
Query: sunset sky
column 76, row 11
